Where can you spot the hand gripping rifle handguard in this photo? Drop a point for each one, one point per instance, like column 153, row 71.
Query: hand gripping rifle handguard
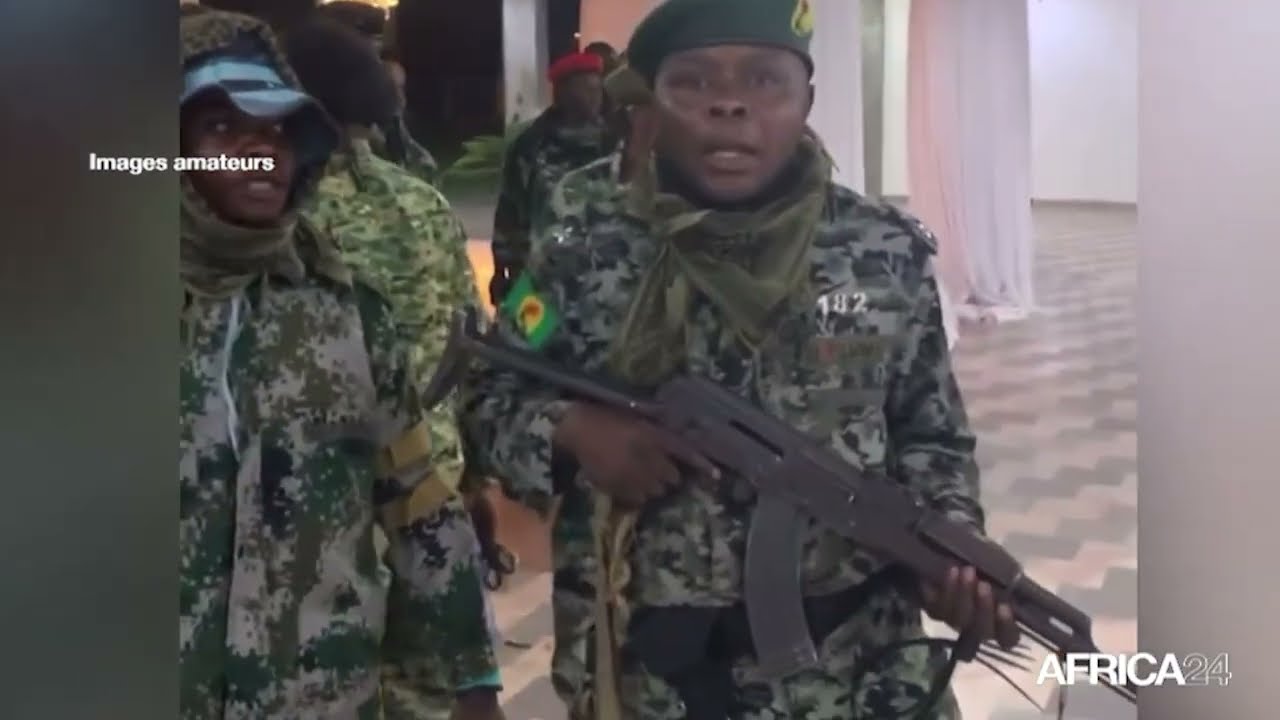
column 796, row 479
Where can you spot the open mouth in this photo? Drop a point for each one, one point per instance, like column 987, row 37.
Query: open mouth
column 730, row 157
column 261, row 182
column 261, row 185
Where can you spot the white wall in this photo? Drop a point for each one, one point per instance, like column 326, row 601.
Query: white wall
column 1084, row 99
column 612, row 20
column 837, row 108
column 1210, row 393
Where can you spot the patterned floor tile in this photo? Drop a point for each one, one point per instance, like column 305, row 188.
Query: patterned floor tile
column 1053, row 401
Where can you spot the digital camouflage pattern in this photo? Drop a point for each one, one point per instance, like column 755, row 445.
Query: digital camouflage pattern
column 400, row 235
column 538, row 157
column 285, row 609
column 300, row 432
column 861, row 365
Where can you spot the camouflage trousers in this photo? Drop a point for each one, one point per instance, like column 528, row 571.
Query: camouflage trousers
column 894, row 688
column 573, row 611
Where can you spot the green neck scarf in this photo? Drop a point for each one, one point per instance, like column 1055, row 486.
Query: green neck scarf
column 747, row 264
column 219, row 259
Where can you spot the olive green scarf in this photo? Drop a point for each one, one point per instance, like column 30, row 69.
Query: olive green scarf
column 219, row 259
column 748, row 264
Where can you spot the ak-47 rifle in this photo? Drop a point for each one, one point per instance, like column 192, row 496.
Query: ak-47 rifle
column 797, row 479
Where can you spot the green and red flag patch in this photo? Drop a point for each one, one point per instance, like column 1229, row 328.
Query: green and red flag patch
column 535, row 318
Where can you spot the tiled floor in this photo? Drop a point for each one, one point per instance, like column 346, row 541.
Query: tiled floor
column 1053, row 400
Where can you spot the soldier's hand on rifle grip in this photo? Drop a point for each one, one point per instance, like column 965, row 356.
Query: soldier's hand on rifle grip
column 629, row 458
column 966, row 603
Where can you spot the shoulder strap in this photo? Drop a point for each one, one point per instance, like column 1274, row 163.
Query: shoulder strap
column 912, row 225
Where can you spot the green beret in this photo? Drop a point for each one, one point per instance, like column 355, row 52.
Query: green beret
column 678, row 25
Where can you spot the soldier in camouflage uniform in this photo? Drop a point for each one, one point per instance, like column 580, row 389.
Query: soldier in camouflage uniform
column 733, row 256
column 396, row 231
column 568, row 135
column 300, row 432
column 610, row 109
column 390, row 140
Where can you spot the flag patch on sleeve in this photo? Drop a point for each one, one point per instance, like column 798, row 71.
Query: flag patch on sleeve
column 535, row 318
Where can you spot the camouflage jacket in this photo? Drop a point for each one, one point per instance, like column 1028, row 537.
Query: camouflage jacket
column 862, row 366
column 537, row 159
column 300, row 432
column 401, row 236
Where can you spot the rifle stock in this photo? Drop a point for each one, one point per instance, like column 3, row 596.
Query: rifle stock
column 796, row 479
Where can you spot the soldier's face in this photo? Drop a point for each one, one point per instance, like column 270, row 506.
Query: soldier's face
column 582, row 95
column 607, row 55
column 212, row 126
column 397, row 77
column 731, row 116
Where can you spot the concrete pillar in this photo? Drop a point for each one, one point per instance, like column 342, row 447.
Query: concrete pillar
column 873, row 77
column 524, row 58
column 893, row 167
column 837, row 110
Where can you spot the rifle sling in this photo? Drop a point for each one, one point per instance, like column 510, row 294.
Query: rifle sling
column 694, row 649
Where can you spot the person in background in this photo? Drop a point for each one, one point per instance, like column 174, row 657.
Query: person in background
column 390, row 140
column 634, row 118
column 400, row 235
column 393, row 141
column 567, row 135
column 614, row 112
column 733, row 256
column 607, row 53
column 392, row 62
column 300, row 432
column 367, row 19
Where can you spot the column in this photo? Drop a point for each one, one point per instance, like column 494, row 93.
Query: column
column 893, row 178
column 969, row 148
column 524, row 58
column 837, row 110
column 873, row 81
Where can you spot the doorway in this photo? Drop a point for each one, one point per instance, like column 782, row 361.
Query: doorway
column 452, row 55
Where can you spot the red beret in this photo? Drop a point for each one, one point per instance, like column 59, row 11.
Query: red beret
column 574, row 63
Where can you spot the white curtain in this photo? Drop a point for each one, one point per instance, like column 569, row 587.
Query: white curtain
column 837, row 114
column 837, row 108
column 969, row 149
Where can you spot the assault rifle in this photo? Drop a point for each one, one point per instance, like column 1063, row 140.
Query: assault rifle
column 797, row 479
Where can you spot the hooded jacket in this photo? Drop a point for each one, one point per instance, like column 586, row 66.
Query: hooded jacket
column 301, row 439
